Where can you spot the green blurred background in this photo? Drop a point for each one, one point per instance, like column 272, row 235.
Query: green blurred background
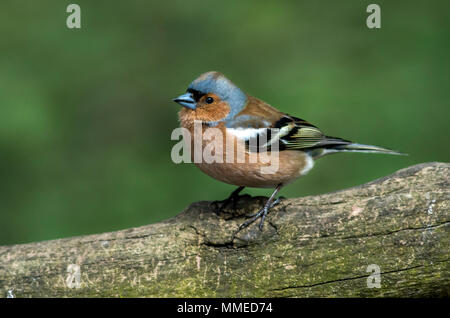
column 86, row 114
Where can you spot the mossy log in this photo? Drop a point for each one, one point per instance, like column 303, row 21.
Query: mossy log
column 328, row 245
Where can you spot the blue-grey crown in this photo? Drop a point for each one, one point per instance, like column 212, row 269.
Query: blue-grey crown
column 217, row 83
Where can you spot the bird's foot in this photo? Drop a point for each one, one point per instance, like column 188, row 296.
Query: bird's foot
column 274, row 203
column 260, row 214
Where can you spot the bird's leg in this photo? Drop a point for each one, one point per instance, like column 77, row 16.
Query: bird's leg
column 232, row 198
column 274, row 203
column 263, row 212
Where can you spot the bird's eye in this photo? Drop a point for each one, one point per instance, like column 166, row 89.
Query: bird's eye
column 209, row 100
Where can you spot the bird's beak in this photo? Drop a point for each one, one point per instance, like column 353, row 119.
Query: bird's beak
column 186, row 100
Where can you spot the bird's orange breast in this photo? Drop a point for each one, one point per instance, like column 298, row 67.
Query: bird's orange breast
column 234, row 165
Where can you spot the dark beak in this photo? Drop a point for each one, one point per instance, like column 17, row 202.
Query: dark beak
column 186, row 100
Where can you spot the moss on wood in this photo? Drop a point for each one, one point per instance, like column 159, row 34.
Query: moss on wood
column 318, row 246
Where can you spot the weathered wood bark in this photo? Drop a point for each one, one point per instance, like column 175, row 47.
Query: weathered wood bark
column 317, row 246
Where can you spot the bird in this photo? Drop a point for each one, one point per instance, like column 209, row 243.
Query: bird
column 212, row 101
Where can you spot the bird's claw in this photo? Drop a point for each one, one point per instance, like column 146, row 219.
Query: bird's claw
column 260, row 214
column 274, row 203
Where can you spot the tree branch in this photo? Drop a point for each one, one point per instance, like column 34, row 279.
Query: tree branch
column 317, row 246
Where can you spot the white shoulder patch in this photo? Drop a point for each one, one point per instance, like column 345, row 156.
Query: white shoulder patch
column 245, row 133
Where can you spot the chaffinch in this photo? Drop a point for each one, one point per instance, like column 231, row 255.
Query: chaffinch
column 214, row 101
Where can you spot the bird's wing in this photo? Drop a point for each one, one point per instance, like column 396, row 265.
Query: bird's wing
column 265, row 128
column 304, row 135
column 261, row 126
column 288, row 133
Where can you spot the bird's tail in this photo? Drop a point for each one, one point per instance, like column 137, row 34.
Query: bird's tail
column 354, row 147
column 341, row 145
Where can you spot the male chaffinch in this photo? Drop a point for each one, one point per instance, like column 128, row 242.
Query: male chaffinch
column 214, row 101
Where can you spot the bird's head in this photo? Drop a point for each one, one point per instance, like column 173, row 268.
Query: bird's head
column 212, row 98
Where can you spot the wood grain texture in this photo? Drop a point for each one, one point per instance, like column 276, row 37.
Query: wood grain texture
column 317, row 246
